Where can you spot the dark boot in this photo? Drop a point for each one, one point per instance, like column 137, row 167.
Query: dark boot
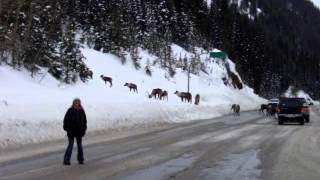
column 66, row 163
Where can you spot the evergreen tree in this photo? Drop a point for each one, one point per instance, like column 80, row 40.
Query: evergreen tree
column 148, row 68
column 273, row 49
column 134, row 53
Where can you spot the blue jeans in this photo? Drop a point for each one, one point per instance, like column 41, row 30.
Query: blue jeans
column 68, row 154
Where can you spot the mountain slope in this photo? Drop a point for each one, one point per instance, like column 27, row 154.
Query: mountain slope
column 274, row 43
column 32, row 109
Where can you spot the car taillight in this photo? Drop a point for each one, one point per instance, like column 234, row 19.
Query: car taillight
column 305, row 110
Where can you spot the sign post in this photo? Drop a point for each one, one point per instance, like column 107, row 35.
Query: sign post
column 218, row 55
column 189, row 77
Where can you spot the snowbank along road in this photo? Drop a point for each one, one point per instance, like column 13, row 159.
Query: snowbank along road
column 247, row 147
column 35, row 114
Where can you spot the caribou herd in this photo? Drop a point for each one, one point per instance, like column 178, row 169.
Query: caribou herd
column 161, row 94
column 156, row 93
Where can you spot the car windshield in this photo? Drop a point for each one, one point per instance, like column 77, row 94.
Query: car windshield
column 273, row 100
column 292, row 101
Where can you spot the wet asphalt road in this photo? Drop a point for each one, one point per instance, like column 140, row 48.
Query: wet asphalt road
column 251, row 146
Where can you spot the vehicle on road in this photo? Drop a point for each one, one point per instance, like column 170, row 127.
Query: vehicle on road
column 272, row 106
column 293, row 110
column 274, row 100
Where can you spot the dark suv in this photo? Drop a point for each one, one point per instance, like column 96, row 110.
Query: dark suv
column 293, row 110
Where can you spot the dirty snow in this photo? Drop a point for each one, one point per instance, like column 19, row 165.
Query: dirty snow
column 234, row 167
column 165, row 170
column 214, row 137
column 126, row 155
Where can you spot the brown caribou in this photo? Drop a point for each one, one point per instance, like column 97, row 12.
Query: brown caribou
column 164, row 95
column 106, row 79
column 155, row 93
column 132, row 86
column 185, row 96
column 236, row 109
column 264, row 109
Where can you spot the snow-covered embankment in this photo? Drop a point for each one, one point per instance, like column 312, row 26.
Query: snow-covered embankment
column 32, row 109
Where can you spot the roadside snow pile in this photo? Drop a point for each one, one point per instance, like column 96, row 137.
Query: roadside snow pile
column 32, row 109
column 293, row 92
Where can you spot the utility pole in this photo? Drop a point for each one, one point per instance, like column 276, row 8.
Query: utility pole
column 189, row 76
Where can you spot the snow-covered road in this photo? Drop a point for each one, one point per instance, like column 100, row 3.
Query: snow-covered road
column 247, row 147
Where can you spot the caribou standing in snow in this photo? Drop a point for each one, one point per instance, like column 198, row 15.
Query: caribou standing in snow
column 236, row 109
column 155, row 93
column 106, row 79
column 164, row 95
column 264, row 109
column 132, row 86
column 185, row 96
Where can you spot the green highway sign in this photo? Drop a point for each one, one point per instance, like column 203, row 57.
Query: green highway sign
column 218, row 55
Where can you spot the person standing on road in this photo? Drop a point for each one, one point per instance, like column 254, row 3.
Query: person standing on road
column 75, row 124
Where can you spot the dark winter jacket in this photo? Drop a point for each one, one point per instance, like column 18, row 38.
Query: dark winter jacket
column 75, row 122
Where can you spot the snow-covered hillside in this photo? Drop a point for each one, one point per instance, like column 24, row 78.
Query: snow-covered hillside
column 244, row 7
column 316, row 3
column 293, row 92
column 32, row 109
